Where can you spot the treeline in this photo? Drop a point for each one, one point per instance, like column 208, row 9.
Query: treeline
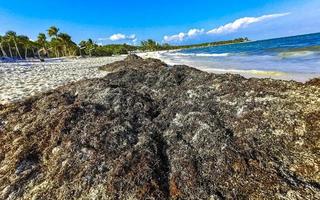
column 151, row 45
column 208, row 44
column 21, row 47
column 90, row 48
column 54, row 43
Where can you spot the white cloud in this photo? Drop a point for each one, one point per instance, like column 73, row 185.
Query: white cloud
column 194, row 32
column 117, row 36
column 230, row 27
column 120, row 36
column 177, row 37
column 243, row 22
column 182, row 36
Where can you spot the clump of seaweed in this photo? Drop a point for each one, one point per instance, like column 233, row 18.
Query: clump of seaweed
column 149, row 131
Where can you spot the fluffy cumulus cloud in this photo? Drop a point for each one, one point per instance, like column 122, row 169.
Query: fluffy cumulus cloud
column 227, row 28
column 195, row 32
column 120, row 36
column 182, row 36
column 129, row 39
column 243, row 22
column 177, row 37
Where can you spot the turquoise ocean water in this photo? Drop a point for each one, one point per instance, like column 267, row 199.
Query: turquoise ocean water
column 297, row 55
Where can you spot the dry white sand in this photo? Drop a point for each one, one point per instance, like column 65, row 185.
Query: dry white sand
column 26, row 78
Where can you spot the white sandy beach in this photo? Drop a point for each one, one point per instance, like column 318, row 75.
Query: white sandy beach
column 26, row 78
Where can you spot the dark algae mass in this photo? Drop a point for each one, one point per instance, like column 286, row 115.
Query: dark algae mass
column 150, row 131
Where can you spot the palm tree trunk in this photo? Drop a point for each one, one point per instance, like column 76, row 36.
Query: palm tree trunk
column 3, row 51
column 10, row 51
column 33, row 53
column 44, row 49
column 15, row 44
column 39, row 54
column 47, row 52
column 65, row 50
column 56, row 52
column 25, row 53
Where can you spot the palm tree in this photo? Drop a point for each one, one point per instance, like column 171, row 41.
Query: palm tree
column 24, row 40
column 82, row 46
column 53, row 33
column 90, row 46
column 34, row 46
column 2, row 40
column 56, row 45
column 66, row 41
column 150, row 45
column 12, row 36
column 8, row 42
column 42, row 39
column 87, row 46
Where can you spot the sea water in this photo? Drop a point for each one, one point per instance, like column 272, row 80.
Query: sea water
column 299, row 55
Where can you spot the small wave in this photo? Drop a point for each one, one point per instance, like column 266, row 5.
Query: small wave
column 202, row 54
column 293, row 54
column 266, row 73
column 181, row 54
column 250, row 71
column 212, row 54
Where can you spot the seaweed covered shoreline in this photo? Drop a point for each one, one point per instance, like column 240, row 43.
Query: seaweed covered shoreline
column 149, row 131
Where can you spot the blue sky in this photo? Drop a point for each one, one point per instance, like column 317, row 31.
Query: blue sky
column 175, row 22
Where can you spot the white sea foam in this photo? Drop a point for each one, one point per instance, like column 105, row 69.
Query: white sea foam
column 212, row 54
column 295, row 54
column 181, row 54
column 201, row 54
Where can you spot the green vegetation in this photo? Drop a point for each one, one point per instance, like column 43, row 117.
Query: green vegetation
column 54, row 43
column 151, row 45
column 208, row 44
column 60, row 44
column 92, row 49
